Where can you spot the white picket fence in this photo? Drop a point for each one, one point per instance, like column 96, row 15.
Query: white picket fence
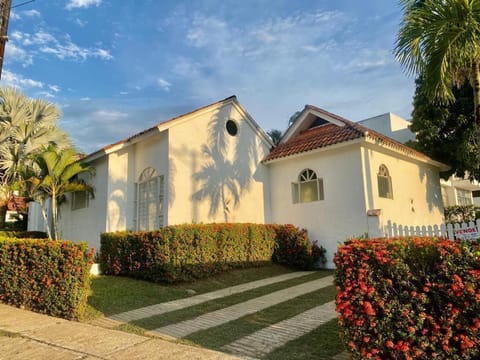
column 444, row 230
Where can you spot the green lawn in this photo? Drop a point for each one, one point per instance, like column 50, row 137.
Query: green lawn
column 112, row 295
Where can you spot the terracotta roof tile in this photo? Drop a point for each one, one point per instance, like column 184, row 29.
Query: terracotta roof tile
column 331, row 134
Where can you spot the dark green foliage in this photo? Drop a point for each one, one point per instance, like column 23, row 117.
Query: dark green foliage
column 187, row 252
column 447, row 132
column 23, row 234
column 293, row 248
column 50, row 277
column 461, row 213
column 409, row 298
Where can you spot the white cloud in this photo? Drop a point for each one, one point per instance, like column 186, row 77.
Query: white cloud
column 15, row 15
column 164, row 84
column 123, row 92
column 110, row 114
column 14, row 53
column 72, row 4
column 31, row 13
column 25, row 46
column 16, row 80
column 54, row 88
column 85, row 99
column 80, row 22
column 45, row 94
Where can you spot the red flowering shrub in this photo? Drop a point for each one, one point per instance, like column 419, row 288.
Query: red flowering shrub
column 50, row 277
column 293, row 248
column 409, row 298
column 186, row 252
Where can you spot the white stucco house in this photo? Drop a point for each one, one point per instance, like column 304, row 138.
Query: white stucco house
column 455, row 190
column 336, row 178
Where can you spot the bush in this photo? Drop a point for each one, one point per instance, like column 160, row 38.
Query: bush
column 407, row 298
column 293, row 248
column 50, row 277
column 192, row 251
column 460, row 213
column 23, row 234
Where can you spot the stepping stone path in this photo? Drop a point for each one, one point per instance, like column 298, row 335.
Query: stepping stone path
column 266, row 340
column 254, row 345
column 222, row 316
column 165, row 307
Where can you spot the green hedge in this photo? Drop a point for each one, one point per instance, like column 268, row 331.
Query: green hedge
column 50, row 277
column 409, row 298
column 186, row 252
column 21, row 234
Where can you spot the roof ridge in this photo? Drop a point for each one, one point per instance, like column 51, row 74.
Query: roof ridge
column 152, row 128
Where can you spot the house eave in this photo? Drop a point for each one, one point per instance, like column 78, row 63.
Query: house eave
column 316, row 151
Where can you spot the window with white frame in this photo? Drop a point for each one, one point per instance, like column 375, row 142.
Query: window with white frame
column 464, row 197
column 308, row 188
column 384, row 182
column 79, row 200
column 149, row 200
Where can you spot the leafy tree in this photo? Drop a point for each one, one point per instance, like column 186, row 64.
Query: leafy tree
column 26, row 127
column 446, row 132
column 275, row 135
column 55, row 175
column 439, row 40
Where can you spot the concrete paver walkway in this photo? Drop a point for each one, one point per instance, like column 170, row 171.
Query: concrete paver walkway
column 165, row 307
column 36, row 336
column 268, row 339
column 222, row 316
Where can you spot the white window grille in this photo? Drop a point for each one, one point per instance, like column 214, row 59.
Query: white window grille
column 308, row 188
column 149, row 200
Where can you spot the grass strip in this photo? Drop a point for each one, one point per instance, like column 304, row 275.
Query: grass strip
column 320, row 344
column 209, row 306
column 113, row 294
column 219, row 336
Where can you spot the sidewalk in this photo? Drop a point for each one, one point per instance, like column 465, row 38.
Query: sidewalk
column 28, row 335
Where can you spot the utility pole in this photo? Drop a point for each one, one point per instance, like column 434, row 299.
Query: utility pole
column 5, row 6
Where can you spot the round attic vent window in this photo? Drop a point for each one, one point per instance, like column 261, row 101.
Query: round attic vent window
column 232, row 127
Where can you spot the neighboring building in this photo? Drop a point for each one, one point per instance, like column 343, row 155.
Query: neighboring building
column 336, row 178
column 340, row 179
column 455, row 191
column 391, row 125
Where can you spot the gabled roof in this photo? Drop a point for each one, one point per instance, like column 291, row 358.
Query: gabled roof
column 301, row 137
column 169, row 123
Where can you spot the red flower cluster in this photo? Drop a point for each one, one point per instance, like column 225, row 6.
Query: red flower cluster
column 409, row 298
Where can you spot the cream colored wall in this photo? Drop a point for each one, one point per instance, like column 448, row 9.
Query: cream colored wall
column 86, row 224
column 417, row 198
column 232, row 159
column 341, row 215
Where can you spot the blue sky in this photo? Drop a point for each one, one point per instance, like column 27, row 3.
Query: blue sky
column 116, row 67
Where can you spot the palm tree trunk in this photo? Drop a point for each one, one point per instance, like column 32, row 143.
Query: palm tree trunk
column 3, row 212
column 54, row 214
column 45, row 218
column 476, row 95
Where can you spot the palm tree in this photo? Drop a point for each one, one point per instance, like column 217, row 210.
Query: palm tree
column 275, row 135
column 26, row 127
column 440, row 40
column 56, row 175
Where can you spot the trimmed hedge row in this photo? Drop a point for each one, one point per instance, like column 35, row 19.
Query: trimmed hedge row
column 50, row 277
column 22, row 234
column 186, row 252
column 409, row 298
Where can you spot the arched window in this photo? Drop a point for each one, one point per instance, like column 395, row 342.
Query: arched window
column 150, row 194
column 308, row 188
column 384, row 182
